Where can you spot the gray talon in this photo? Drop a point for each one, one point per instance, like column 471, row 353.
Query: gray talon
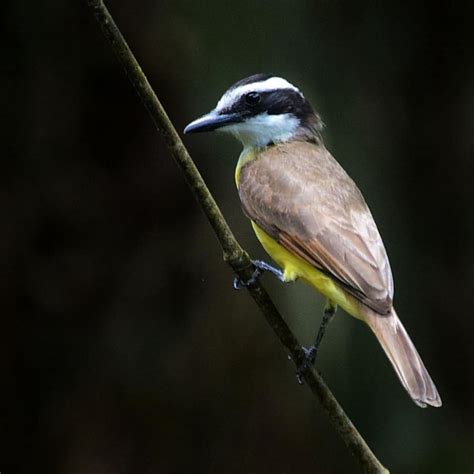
column 309, row 358
column 259, row 268
column 239, row 283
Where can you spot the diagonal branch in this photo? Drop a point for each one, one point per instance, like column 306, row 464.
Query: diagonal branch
column 234, row 255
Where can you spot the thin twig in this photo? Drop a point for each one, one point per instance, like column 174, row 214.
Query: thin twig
column 234, row 255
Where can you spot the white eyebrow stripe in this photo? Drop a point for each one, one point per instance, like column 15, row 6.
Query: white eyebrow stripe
column 271, row 84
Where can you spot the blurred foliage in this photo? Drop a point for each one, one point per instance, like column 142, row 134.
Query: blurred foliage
column 125, row 348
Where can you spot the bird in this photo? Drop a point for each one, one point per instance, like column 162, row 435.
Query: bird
column 311, row 217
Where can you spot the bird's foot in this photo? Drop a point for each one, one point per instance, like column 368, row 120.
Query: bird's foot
column 239, row 283
column 259, row 268
column 308, row 360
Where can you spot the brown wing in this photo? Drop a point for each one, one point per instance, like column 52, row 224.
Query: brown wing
column 301, row 196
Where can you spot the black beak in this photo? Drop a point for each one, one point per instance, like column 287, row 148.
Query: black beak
column 211, row 121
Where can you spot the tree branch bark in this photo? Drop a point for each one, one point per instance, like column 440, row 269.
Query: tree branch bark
column 234, row 255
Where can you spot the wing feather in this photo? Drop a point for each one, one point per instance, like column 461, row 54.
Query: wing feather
column 302, row 197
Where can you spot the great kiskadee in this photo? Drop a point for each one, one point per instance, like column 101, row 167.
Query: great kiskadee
column 310, row 216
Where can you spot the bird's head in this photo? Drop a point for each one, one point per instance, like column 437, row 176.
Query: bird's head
column 261, row 110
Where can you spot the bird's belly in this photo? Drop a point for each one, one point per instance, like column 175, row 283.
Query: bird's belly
column 294, row 267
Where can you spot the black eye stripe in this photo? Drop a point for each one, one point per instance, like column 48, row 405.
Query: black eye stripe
column 273, row 102
column 280, row 101
column 285, row 101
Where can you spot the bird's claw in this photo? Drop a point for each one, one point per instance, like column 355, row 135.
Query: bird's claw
column 308, row 360
column 259, row 267
column 239, row 284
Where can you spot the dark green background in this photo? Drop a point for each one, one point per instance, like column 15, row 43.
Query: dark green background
column 125, row 349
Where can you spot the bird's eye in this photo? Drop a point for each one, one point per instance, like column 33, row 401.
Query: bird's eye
column 252, row 98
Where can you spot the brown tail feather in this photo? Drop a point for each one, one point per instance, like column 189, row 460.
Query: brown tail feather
column 404, row 357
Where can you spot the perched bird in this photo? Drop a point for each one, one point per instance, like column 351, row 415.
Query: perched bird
column 310, row 216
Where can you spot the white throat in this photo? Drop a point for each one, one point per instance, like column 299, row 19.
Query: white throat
column 263, row 129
